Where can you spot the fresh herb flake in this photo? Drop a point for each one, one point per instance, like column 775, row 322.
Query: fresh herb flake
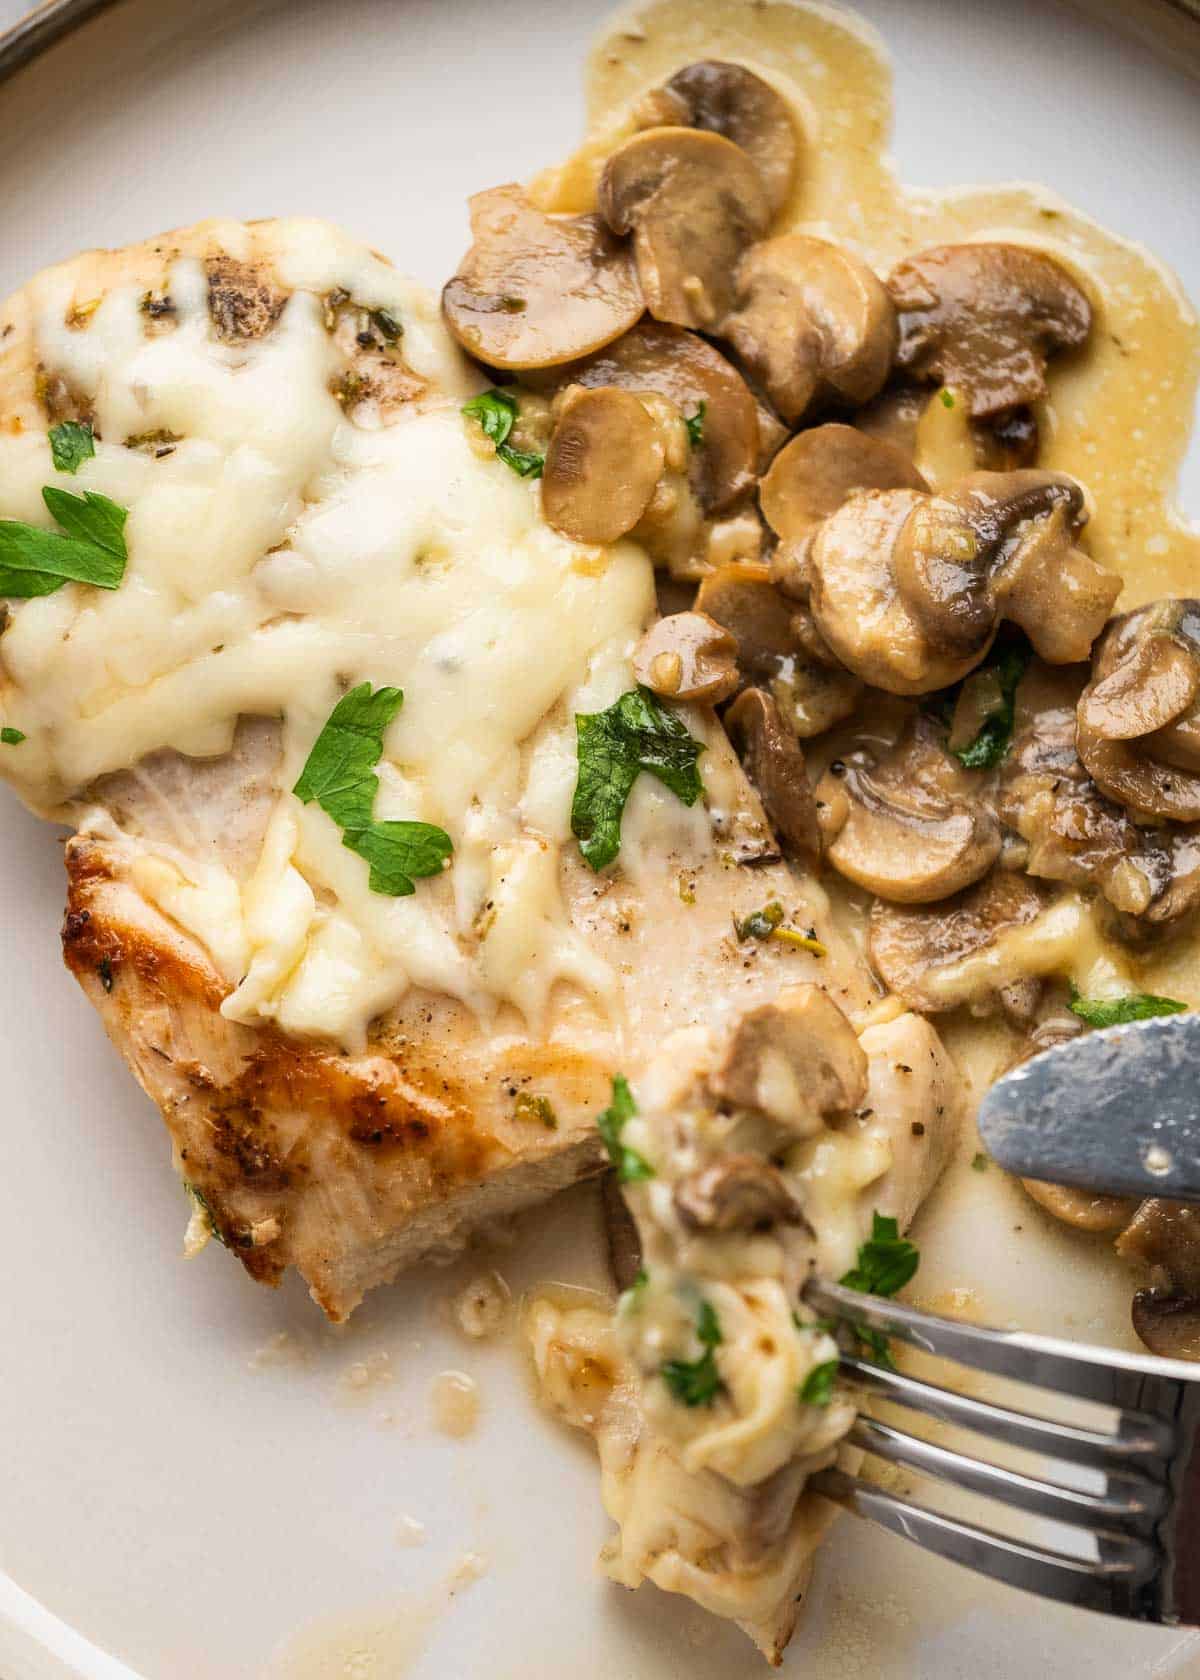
column 386, row 325
column 760, row 924
column 496, row 411
column 610, row 1123
column 526, row 463
column 339, row 774
column 886, row 1261
column 979, row 1162
column 636, row 733
column 35, row 562
column 539, row 1110
column 992, row 742
column 817, row 1387
column 71, row 444
column 697, row 1382
column 695, row 425
column 947, row 398
column 11, row 737
column 1115, row 1012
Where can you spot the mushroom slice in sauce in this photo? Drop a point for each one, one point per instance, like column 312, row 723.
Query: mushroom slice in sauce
column 694, row 376
column 936, row 429
column 775, row 765
column 739, row 1192
column 693, row 202
column 1165, row 1236
column 536, row 290
column 812, row 477
column 1139, row 717
column 1083, row 1209
column 796, row 1060
column 911, row 827
column 731, row 100
column 603, row 464
column 812, row 323
column 914, row 949
column 687, row 656
column 984, row 319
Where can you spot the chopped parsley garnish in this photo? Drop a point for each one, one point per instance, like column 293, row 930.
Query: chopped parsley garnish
column 71, row 444
column 995, row 735
column 386, row 324
column 947, row 398
column 540, row 1109
column 817, row 1387
column 636, row 733
column 1115, row 1012
column 496, row 412
column 767, row 924
column 37, row 562
column 695, row 425
column 886, row 1262
column 697, row 1382
column 630, row 1166
column 11, row 737
column 979, row 1162
column 340, row 775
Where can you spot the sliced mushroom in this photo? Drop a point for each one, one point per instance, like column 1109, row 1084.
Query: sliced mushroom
column 731, row 100
column 244, row 300
column 984, row 319
column 742, row 1192
column 1083, row 1209
column 812, row 323
column 693, row 202
column 812, row 477
column 603, row 464
column 621, row 1234
column 1165, row 1236
column 699, row 381
column 796, row 1060
column 688, row 656
column 1139, row 717
column 911, row 827
column 937, row 957
column 775, row 765
column 535, row 290
column 905, row 415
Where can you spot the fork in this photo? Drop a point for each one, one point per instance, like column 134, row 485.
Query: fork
column 1144, row 1522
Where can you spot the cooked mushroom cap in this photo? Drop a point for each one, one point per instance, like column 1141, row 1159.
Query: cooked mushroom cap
column 687, row 656
column 689, row 372
column 1165, row 1236
column 1168, row 1324
column 730, row 100
column 742, row 1192
column 858, row 606
column 775, row 765
column 909, row 828
column 812, row 323
column 744, row 600
column 1002, row 545
column 984, row 318
column 911, row 947
column 797, row 1060
column 820, row 468
column 602, row 466
column 693, row 201
column 536, row 290
column 1139, row 717
column 1081, row 1208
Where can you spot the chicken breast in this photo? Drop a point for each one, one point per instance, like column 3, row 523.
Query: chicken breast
column 351, row 1078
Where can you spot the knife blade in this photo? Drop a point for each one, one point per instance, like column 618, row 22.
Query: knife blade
column 1116, row 1111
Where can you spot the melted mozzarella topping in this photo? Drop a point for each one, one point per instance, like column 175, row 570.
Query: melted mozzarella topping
column 281, row 552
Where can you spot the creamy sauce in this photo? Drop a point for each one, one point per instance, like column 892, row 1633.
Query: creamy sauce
column 454, row 1399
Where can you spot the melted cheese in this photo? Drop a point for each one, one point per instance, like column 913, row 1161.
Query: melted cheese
column 280, row 552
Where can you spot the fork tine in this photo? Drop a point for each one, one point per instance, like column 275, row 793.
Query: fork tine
column 1129, row 1381
column 1126, row 1499
column 1070, row 1442
column 1107, row 1582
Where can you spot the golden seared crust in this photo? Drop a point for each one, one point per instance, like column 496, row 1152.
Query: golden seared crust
column 345, row 1167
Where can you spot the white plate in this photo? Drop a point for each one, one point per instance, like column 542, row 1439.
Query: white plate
column 176, row 1506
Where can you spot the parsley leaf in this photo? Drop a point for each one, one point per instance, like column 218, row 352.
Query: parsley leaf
column 339, row 774
column 610, row 1124
column 636, row 733
column 817, row 1387
column 496, row 412
column 37, row 562
column 995, row 735
column 11, row 737
column 697, row 1382
column 71, row 444
column 695, row 425
column 1115, row 1012
column 886, row 1261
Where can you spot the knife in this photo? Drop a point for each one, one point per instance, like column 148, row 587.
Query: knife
column 1117, row 1112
